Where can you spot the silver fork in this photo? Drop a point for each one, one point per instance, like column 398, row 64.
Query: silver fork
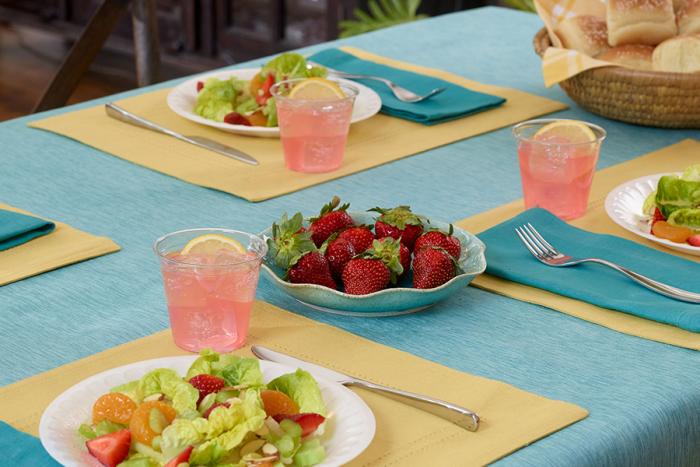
column 547, row 254
column 401, row 93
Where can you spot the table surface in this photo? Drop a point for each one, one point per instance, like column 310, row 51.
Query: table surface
column 643, row 396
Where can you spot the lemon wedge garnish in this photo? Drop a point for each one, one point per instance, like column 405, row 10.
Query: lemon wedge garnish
column 317, row 89
column 211, row 244
column 566, row 131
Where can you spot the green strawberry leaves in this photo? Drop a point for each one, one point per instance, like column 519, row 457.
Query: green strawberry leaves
column 388, row 250
column 290, row 241
column 399, row 217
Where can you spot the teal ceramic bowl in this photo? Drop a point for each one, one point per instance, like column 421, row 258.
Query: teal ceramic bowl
column 394, row 301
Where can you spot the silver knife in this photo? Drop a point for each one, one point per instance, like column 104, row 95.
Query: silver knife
column 117, row 112
column 460, row 416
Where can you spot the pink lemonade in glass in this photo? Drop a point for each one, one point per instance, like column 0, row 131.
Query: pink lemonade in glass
column 557, row 164
column 210, row 295
column 313, row 132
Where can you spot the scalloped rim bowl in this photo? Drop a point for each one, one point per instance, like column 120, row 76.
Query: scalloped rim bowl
column 388, row 302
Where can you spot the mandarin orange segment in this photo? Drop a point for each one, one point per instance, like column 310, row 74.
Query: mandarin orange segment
column 674, row 233
column 140, row 425
column 278, row 403
column 113, row 406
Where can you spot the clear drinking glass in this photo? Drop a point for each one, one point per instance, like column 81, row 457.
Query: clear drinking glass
column 556, row 174
column 210, row 296
column 313, row 132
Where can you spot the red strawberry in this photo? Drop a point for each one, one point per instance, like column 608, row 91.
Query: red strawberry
column 110, row 449
column 399, row 223
column 206, row 384
column 432, row 267
column 338, row 252
column 392, row 252
column 360, row 237
column 365, row 275
column 235, row 118
column 329, row 221
column 312, row 268
column 440, row 239
column 181, row 458
column 694, row 240
column 210, row 409
column 290, row 241
column 200, row 86
column 657, row 216
column 309, row 422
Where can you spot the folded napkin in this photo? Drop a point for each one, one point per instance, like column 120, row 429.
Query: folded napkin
column 599, row 285
column 19, row 448
column 16, row 228
column 453, row 103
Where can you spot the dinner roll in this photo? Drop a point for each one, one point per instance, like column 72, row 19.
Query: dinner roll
column 689, row 17
column 640, row 21
column 585, row 33
column 635, row 56
column 680, row 54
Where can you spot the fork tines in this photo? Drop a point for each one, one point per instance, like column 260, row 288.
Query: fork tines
column 534, row 242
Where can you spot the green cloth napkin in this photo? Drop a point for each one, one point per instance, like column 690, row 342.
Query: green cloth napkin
column 508, row 258
column 453, row 103
column 16, row 228
column 19, row 448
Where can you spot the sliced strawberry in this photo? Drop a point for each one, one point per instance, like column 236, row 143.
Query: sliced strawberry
column 181, row 458
column 110, row 449
column 235, row 118
column 657, row 216
column 211, row 409
column 200, row 86
column 694, row 240
column 207, row 384
column 308, row 422
column 263, row 93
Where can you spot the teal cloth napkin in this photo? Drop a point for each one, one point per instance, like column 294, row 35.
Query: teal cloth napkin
column 508, row 258
column 16, row 228
column 19, row 449
column 453, row 103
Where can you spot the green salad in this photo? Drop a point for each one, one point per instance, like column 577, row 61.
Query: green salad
column 250, row 103
column 221, row 413
column 674, row 207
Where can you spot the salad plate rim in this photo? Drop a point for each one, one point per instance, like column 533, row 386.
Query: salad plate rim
column 46, row 431
column 611, row 201
column 190, row 83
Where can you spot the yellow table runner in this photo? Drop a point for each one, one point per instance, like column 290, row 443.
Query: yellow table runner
column 511, row 418
column 374, row 142
column 673, row 158
column 65, row 245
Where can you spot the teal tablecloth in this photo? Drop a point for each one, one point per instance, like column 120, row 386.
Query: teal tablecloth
column 643, row 397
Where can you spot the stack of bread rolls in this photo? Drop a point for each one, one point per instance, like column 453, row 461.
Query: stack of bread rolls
column 658, row 35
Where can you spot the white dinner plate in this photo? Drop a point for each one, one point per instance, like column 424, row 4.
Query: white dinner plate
column 182, row 99
column 624, row 206
column 348, row 431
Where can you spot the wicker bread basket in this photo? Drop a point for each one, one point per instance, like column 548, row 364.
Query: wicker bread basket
column 651, row 98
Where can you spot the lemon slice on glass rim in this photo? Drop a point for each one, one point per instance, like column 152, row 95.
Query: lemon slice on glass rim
column 571, row 131
column 211, row 244
column 317, row 89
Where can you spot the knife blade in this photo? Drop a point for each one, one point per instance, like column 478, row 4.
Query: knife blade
column 456, row 414
column 123, row 115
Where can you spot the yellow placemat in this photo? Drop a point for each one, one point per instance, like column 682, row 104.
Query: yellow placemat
column 511, row 418
column 65, row 245
column 374, row 142
column 673, row 158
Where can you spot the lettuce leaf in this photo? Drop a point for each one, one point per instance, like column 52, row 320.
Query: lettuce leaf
column 686, row 218
column 167, row 382
column 691, row 174
column 303, row 390
column 224, row 430
column 291, row 66
column 236, row 371
column 270, row 111
column 218, row 98
column 674, row 193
